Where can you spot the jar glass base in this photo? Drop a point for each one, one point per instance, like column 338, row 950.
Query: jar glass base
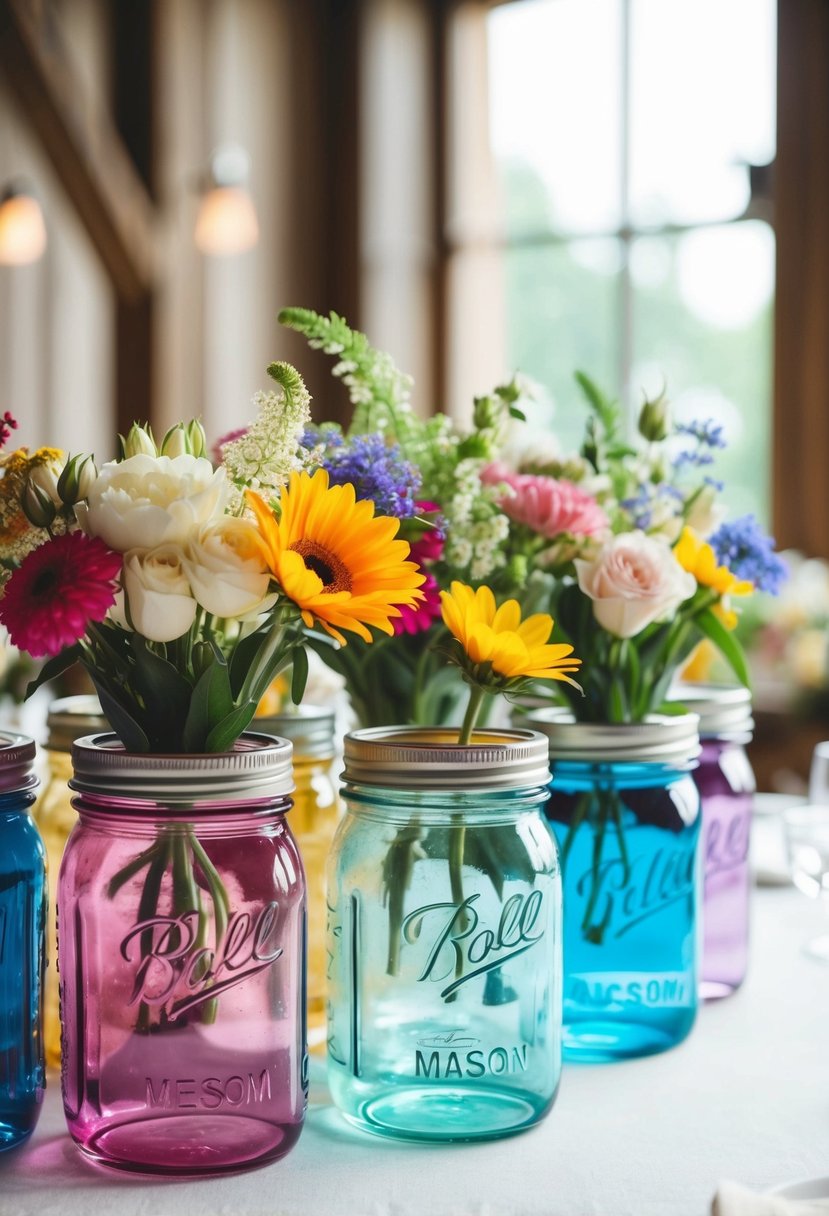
column 190, row 1147
column 597, row 1041
column 426, row 1113
column 12, row 1134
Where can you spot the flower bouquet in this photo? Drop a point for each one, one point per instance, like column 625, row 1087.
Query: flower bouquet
column 641, row 568
column 184, row 589
column 428, row 474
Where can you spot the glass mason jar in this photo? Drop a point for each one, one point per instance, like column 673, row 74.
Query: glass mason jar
column 314, row 820
column 625, row 810
column 181, row 925
column 726, row 784
column 22, row 944
column 68, row 719
column 444, row 1017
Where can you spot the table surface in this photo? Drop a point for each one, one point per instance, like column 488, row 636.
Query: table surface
column 741, row 1098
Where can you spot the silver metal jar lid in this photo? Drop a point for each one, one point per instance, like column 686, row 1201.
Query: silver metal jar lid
column 259, row 767
column 724, row 709
column 309, row 727
column 71, row 717
column 430, row 758
column 17, row 755
column 660, row 739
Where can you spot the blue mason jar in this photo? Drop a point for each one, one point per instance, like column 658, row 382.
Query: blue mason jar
column 22, row 944
column 626, row 813
column 444, row 936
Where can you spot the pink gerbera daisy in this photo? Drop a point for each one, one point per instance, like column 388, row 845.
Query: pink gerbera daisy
column 421, row 616
column 57, row 590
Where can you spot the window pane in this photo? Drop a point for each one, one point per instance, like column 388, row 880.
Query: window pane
column 702, row 104
column 555, row 80
column 702, row 305
column 563, row 315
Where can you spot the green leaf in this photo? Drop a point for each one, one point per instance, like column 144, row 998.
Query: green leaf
column 299, row 675
column 131, row 734
column 244, row 656
column 55, row 667
column 225, row 733
column 164, row 690
column 211, row 702
column 725, row 642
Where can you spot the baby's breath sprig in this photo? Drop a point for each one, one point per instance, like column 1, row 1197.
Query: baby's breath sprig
column 269, row 450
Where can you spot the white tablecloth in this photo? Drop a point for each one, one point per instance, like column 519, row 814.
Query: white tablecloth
column 745, row 1097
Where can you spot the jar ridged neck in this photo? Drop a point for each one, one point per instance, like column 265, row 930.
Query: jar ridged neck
column 256, row 771
column 664, row 739
column 724, row 710
column 17, row 757
column 413, row 759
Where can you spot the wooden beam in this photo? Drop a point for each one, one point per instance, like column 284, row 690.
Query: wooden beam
column 81, row 143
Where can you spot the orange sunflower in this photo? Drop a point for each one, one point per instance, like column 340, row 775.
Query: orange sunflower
column 336, row 559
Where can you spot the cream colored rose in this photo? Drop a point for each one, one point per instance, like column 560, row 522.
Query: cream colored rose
column 226, row 568
column 160, row 605
column 634, row 580
column 147, row 501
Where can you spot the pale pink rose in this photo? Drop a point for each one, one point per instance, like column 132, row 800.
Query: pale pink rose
column 545, row 505
column 634, row 580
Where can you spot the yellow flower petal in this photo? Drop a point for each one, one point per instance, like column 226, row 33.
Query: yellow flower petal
column 337, row 560
column 497, row 635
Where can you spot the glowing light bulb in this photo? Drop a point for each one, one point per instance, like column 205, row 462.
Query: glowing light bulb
column 22, row 230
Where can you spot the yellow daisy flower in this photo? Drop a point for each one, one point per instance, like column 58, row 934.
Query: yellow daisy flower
column 516, row 649
column 336, row 559
column 697, row 557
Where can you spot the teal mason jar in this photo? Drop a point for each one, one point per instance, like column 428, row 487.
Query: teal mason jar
column 444, row 936
column 626, row 814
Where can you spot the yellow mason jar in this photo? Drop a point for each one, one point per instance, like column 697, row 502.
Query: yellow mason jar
column 314, row 819
column 69, row 719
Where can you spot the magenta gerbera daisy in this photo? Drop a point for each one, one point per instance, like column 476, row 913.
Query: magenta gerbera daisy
column 419, row 617
column 57, row 590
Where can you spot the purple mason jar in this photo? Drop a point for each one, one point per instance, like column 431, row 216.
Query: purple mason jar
column 726, row 785
column 181, row 928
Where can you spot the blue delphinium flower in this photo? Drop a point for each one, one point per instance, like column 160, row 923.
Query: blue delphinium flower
column 652, row 500
column 707, row 432
column 748, row 552
column 376, row 469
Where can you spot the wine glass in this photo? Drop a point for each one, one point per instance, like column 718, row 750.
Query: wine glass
column 819, row 774
column 807, row 844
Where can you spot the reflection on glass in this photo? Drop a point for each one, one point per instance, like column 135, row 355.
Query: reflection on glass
column 563, row 313
column 702, row 322
column 807, row 844
column 555, row 79
column 702, row 104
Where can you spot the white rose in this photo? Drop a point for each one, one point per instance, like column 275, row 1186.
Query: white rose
column 226, row 568
column 634, row 580
column 161, row 607
column 147, row 501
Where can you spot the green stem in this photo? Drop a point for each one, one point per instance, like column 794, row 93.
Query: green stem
column 457, row 841
column 473, row 709
column 397, row 875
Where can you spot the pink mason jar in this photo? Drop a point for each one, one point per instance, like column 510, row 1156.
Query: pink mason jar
column 181, row 928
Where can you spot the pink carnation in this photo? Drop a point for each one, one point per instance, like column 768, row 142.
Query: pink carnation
column 547, row 506
column 420, row 616
column 57, row 590
column 429, row 548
